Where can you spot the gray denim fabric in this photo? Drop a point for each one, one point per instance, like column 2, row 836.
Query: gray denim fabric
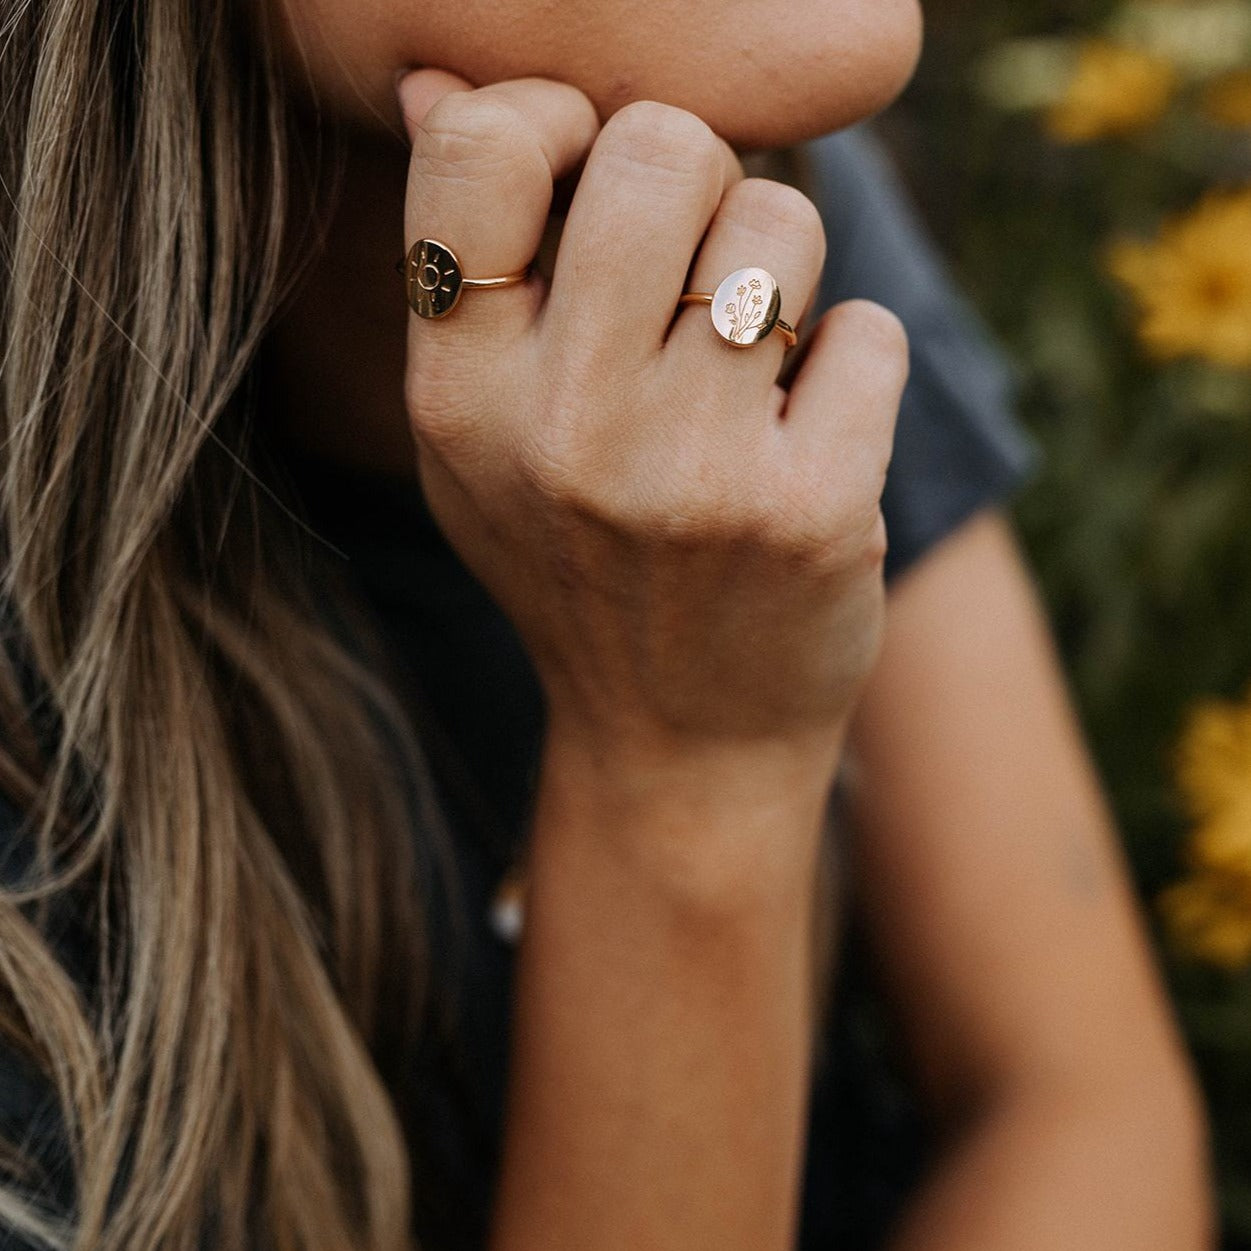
column 958, row 444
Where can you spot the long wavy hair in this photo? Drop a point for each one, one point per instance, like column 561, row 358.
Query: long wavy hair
column 213, row 785
column 217, row 793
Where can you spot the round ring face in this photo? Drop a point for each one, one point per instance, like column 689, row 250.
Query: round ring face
column 434, row 279
column 746, row 306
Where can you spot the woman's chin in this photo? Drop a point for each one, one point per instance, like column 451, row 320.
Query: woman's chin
column 831, row 64
column 768, row 129
column 808, row 88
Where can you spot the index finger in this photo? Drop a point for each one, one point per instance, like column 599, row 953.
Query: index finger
column 480, row 180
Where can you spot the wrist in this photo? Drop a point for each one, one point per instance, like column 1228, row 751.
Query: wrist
column 715, row 826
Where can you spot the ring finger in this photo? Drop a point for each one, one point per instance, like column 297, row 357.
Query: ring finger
column 760, row 225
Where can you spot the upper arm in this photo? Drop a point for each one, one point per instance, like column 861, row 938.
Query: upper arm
column 996, row 896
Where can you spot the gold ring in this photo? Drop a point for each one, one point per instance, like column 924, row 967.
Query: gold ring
column 745, row 307
column 434, row 279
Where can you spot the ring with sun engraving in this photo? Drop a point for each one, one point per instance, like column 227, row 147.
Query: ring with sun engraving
column 434, row 279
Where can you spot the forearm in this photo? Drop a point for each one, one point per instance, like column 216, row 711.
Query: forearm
column 1087, row 1173
column 660, row 1059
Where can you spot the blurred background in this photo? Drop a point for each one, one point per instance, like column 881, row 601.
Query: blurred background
column 1086, row 167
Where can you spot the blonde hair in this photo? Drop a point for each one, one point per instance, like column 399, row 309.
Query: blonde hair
column 214, row 786
column 218, row 792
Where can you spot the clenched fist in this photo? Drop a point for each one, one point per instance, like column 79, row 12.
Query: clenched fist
column 690, row 553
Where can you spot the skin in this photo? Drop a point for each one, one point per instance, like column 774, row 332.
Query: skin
column 759, row 82
column 660, row 1057
column 679, row 805
column 1007, row 934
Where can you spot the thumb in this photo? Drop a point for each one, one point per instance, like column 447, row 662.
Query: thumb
column 418, row 89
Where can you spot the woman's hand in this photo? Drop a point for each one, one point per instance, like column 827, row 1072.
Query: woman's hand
column 691, row 554
column 693, row 559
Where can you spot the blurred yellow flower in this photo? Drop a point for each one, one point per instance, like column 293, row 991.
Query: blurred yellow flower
column 1223, row 841
column 1208, row 915
column 1227, row 100
column 1214, row 775
column 1214, row 757
column 1114, row 90
column 1193, row 283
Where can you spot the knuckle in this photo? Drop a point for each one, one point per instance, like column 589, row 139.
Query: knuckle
column 832, row 529
column 470, row 129
column 662, row 137
column 621, row 494
column 814, row 540
column 861, row 534
column 856, row 549
column 757, row 507
column 558, row 460
column 856, row 492
column 717, row 505
column 876, row 542
column 805, row 502
column 775, row 208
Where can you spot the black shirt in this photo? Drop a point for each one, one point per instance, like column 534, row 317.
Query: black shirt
column 958, row 449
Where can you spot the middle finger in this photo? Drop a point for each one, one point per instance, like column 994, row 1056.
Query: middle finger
column 651, row 184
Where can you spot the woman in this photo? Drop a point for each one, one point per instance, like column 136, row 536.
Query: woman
column 227, row 857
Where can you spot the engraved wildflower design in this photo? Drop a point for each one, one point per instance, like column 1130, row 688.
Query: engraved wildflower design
column 747, row 314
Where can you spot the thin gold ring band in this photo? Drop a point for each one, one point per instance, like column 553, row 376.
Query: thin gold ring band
column 745, row 308
column 507, row 280
column 705, row 297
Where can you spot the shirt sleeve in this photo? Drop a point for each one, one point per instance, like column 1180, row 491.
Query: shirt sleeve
column 959, row 446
